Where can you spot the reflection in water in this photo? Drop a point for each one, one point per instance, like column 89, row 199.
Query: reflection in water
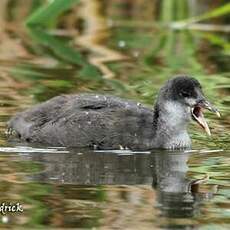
column 94, row 37
column 165, row 171
column 173, row 187
column 95, row 168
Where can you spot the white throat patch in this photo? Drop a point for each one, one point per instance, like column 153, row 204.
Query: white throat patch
column 176, row 113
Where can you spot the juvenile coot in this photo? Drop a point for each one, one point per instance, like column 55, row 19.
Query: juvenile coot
column 109, row 122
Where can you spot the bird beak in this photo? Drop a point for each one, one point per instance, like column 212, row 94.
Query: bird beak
column 198, row 116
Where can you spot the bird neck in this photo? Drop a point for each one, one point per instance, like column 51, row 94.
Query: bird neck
column 171, row 120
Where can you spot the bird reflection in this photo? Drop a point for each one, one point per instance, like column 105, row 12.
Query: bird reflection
column 165, row 171
column 174, row 196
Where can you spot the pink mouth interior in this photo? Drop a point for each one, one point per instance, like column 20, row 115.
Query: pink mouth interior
column 197, row 111
column 199, row 118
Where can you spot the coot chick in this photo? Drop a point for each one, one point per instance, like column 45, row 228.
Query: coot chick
column 109, row 122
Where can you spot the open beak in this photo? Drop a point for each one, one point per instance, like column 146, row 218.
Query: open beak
column 198, row 116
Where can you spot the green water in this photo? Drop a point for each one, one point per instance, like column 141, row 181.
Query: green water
column 80, row 188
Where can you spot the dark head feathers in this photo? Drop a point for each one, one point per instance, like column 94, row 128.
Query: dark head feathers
column 183, row 86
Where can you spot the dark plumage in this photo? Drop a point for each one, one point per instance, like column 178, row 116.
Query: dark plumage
column 110, row 122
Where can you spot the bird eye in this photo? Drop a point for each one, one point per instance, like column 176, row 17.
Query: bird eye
column 184, row 94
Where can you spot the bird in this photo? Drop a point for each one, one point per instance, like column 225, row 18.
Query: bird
column 109, row 122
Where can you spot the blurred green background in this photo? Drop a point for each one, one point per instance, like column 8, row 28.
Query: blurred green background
column 128, row 47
